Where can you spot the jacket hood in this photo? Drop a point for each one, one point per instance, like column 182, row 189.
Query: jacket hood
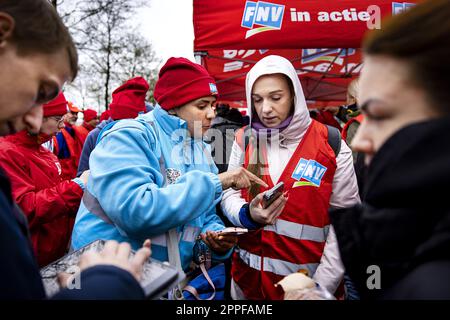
column 301, row 119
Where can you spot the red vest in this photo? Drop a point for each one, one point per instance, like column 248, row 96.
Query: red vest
column 359, row 118
column 297, row 239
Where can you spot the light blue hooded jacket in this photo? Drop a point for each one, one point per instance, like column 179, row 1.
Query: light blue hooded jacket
column 127, row 181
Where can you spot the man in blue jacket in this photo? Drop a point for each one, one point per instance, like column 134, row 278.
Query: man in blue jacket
column 155, row 177
column 33, row 68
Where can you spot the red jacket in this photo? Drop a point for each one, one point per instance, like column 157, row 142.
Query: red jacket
column 49, row 203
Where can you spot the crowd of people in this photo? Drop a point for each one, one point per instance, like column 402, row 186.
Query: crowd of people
column 161, row 180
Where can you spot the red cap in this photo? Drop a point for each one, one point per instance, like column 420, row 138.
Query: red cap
column 56, row 107
column 89, row 115
column 129, row 99
column 180, row 81
column 73, row 108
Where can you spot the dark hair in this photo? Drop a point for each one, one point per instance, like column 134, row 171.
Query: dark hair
column 222, row 109
column 421, row 38
column 38, row 28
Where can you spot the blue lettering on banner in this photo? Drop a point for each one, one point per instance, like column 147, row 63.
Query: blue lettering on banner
column 249, row 14
column 309, row 170
column 268, row 16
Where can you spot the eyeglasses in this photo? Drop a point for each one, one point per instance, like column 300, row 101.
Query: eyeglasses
column 59, row 119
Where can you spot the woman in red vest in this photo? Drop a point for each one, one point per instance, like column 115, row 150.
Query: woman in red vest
column 286, row 145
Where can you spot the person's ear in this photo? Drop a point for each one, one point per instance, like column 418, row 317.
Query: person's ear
column 6, row 28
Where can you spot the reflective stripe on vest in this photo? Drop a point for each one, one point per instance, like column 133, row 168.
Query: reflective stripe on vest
column 299, row 231
column 276, row 266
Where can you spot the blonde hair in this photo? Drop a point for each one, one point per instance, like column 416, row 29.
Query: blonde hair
column 352, row 91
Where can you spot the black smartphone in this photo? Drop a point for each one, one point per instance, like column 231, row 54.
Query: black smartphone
column 157, row 277
column 273, row 194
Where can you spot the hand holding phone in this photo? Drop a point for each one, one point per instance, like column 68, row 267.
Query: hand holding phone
column 273, row 194
column 219, row 242
column 262, row 208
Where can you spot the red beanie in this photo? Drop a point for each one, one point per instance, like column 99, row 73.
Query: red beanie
column 89, row 115
column 181, row 81
column 129, row 99
column 56, row 107
column 105, row 115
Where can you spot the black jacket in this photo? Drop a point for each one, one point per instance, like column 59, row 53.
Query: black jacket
column 20, row 277
column 403, row 225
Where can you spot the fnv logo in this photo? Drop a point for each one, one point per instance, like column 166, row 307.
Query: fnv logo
column 268, row 16
column 308, row 173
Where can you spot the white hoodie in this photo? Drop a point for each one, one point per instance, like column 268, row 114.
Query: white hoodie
column 345, row 189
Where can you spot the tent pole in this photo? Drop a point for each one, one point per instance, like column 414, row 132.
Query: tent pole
column 323, row 76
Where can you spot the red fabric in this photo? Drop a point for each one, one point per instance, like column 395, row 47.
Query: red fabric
column 56, row 107
column 359, row 118
column 82, row 133
column 180, row 81
column 49, row 202
column 327, row 117
column 306, row 205
column 89, row 115
column 229, row 68
column 88, row 127
column 129, row 99
column 75, row 144
column 223, row 35
column 228, row 25
column 105, row 115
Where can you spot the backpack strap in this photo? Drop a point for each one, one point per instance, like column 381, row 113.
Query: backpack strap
column 194, row 291
column 334, row 139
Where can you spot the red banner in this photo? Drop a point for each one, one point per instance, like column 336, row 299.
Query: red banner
column 324, row 73
column 288, row 24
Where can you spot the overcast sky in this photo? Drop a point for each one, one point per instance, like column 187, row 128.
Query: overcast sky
column 168, row 26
